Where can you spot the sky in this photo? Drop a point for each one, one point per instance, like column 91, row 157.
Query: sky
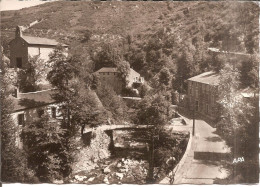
column 18, row 4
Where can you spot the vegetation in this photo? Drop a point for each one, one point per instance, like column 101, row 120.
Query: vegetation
column 44, row 144
column 13, row 160
column 29, row 78
column 238, row 123
column 166, row 48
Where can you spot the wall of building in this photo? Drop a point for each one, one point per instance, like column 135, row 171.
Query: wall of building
column 112, row 79
column 202, row 98
column 43, row 51
column 18, row 48
column 134, row 77
column 31, row 115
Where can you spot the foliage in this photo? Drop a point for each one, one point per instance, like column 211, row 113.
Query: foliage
column 13, row 160
column 123, row 68
column 31, row 76
column 238, row 116
column 167, row 146
column 44, row 143
column 154, row 110
column 107, row 56
column 249, row 72
column 165, row 77
column 112, row 102
column 218, row 62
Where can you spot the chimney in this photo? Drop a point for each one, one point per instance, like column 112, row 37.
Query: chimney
column 18, row 32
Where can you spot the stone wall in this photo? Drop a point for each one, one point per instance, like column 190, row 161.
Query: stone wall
column 87, row 156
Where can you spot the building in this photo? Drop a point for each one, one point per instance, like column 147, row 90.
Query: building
column 111, row 76
column 21, row 47
column 202, row 94
column 31, row 106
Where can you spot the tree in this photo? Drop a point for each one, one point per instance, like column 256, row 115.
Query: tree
column 123, row 68
column 44, row 144
column 112, row 102
column 218, row 62
column 165, row 76
column 13, row 160
column 30, row 77
column 249, row 72
column 238, row 123
column 154, row 111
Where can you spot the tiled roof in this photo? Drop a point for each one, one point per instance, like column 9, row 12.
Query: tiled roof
column 107, row 70
column 40, row 41
column 33, row 100
column 210, row 77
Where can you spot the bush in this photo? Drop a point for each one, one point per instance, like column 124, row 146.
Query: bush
column 46, row 146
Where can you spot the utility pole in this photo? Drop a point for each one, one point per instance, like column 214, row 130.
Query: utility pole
column 193, row 127
column 150, row 178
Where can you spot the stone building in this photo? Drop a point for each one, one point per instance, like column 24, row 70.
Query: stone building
column 21, row 47
column 31, row 106
column 202, row 94
column 111, row 76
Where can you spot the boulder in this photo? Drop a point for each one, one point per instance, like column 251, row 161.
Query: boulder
column 91, row 179
column 119, row 165
column 107, row 170
column 120, row 176
column 106, row 180
column 80, row 178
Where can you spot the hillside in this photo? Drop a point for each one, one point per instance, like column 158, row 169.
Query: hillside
column 140, row 31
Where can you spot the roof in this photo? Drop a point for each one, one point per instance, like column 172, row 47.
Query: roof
column 107, row 70
column 112, row 70
column 211, row 78
column 248, row 93
column 33, row 99
column 40, row 41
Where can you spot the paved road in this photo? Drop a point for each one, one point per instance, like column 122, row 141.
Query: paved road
column 205, row 158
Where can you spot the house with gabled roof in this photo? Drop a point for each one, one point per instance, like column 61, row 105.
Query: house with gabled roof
column 111, row 76
column 21, row 47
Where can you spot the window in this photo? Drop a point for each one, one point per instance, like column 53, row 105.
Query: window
column 19, row 63
column 197, row 106
column 21, row 119
column 40, row 112
column 53, row 112
column 207, row 108
column 39, row 50
column 107, row 73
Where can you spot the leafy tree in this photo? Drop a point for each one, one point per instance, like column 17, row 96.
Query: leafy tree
column 124, row 69
column 249, row 72
column 112, row 102
column 238, row 122
column 218, row 62
column 108, row 56
column 165, row 77
column 31, row 76
column 154, row 111
column 13, row 160
column 44, row 144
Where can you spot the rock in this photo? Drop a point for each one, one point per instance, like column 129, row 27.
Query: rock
column 105, row 153
column 119, row 165
column 106, row 180
column 107, row 170
column 120, row 176
column 80, row 178
column 91, row 179
column 58, row 182
column 95, row 160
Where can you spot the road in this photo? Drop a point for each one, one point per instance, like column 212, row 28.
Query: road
column 205, row 158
